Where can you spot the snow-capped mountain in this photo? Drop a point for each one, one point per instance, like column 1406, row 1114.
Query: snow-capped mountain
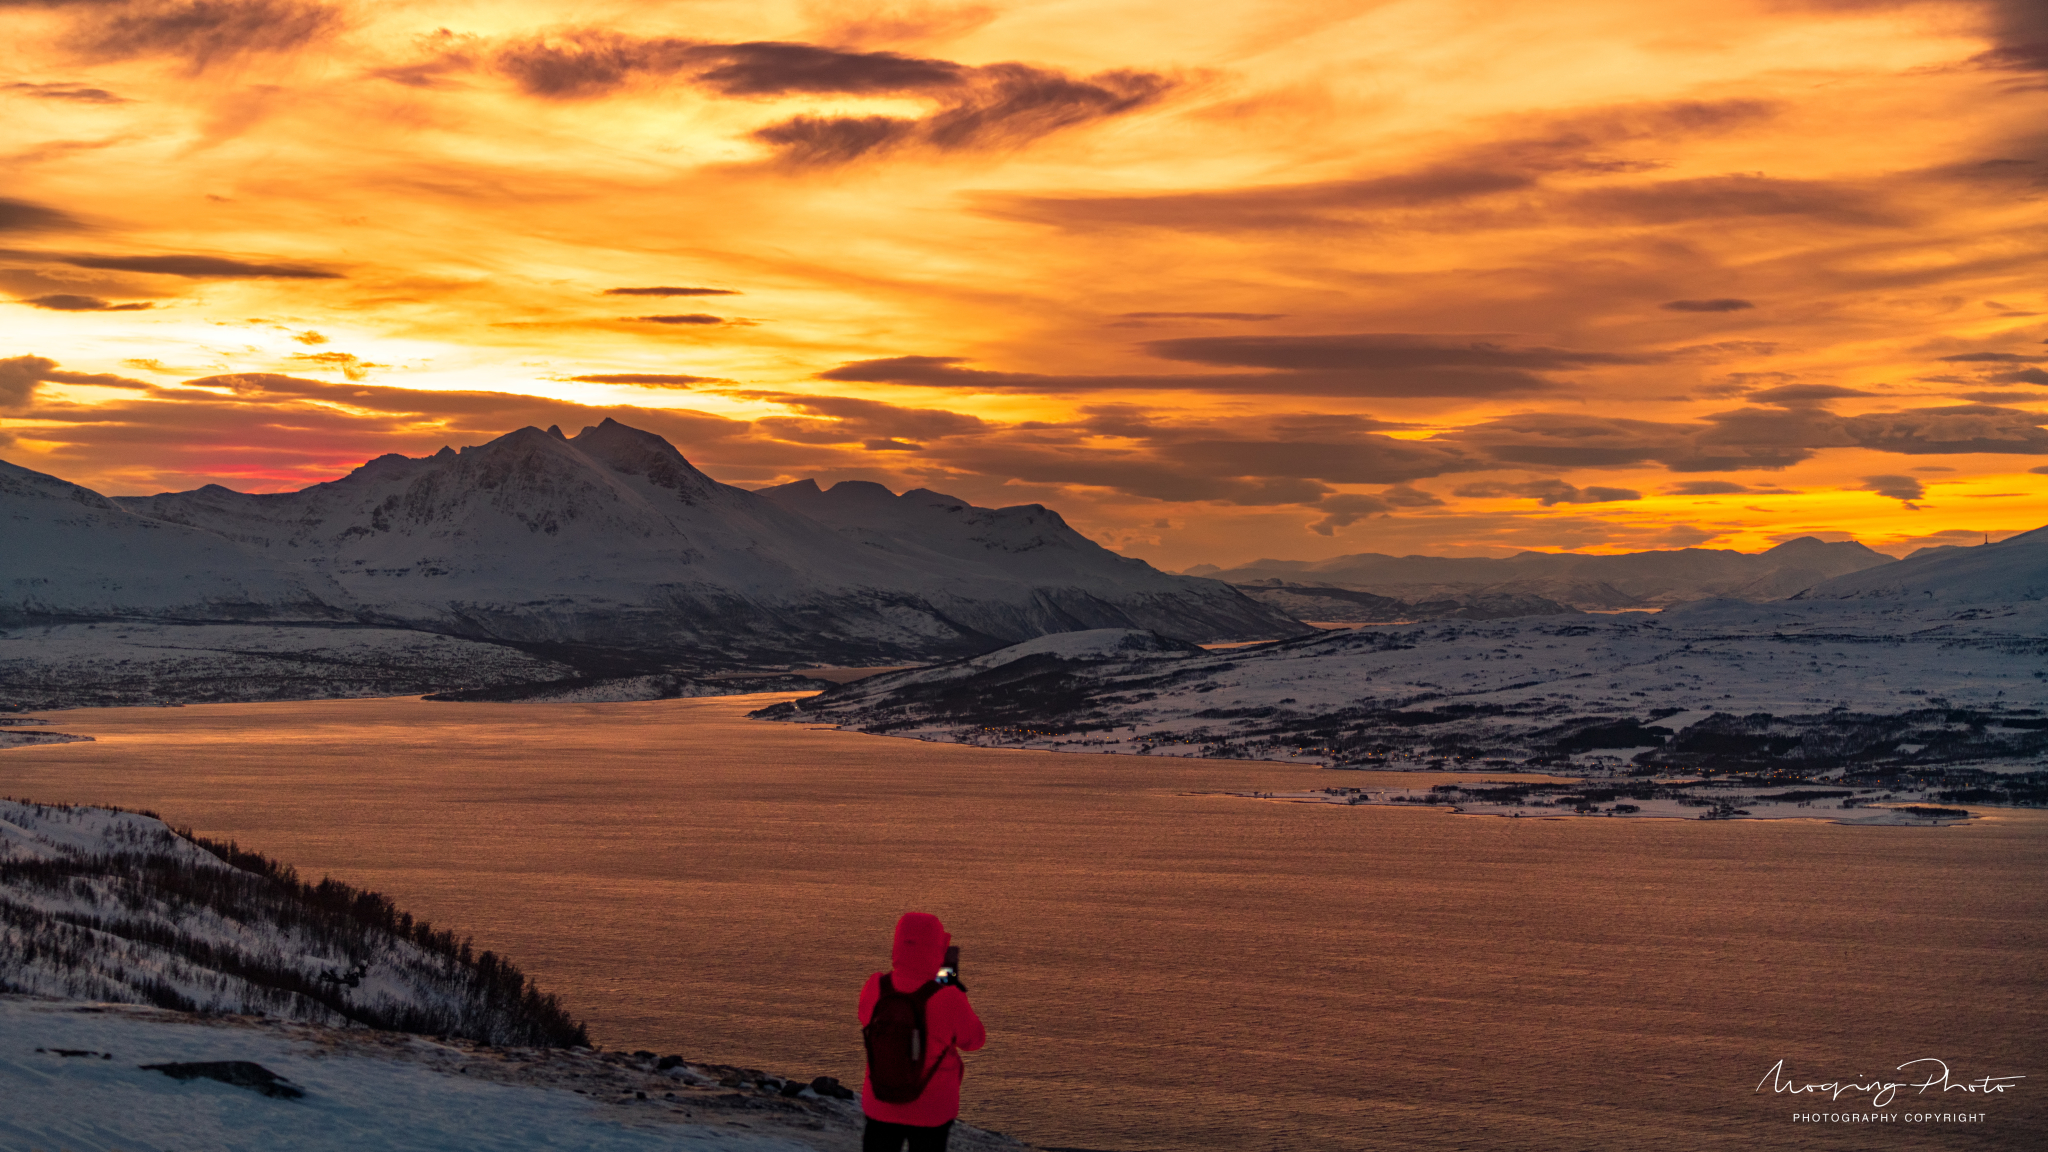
column 610, row 539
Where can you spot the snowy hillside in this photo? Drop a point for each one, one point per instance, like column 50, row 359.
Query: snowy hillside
column 115, row 1078
column 2014, row 570
column 144, row 663
column 612, row 538
column 1633, row 580
column 1948, row 693
column 1327, row 605
column 74, row 554
column 99, row 904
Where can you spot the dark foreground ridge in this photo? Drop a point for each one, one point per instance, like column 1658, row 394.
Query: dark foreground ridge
column 336, row 1067
column 108, row 905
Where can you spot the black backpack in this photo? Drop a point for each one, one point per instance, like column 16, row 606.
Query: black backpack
column 897, row 1043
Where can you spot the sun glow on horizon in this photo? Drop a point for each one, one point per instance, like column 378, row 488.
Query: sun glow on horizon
column 1289, row 281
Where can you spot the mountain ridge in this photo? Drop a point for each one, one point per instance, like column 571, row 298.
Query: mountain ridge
column 1652, row 579
column 610, row 539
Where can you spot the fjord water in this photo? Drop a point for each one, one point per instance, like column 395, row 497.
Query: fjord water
column 1159, row 968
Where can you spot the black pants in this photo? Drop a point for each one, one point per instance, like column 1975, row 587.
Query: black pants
column 882, row 1136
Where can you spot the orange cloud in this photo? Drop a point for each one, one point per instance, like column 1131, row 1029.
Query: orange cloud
column 1581, row 275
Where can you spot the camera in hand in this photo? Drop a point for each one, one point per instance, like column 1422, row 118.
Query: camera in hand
column 949, row 973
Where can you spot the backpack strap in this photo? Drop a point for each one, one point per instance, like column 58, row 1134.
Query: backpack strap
column 923, row 996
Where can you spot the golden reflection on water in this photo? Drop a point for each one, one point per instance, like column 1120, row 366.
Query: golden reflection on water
column 1159, row 969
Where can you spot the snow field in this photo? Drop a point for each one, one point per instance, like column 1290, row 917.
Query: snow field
column 354, row 1100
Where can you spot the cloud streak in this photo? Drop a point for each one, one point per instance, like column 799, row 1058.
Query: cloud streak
column 69, row 302
column 191, row 267
column 203, row 33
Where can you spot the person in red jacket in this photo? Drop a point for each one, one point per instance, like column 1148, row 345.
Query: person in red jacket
column 952, row 1028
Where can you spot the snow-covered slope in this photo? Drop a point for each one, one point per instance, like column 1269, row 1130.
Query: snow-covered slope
column 1632, row 580
column 612, row 538
column 99, row 904
column 83, row 1077
column 127, row 662
column 2014, row 569
column 73, row 554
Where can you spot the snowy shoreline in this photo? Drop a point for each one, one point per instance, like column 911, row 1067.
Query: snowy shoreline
column 1562, row 800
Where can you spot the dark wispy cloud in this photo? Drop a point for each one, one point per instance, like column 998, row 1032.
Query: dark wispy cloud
column 202, row 32
column 683, row 318
column 1376, row 351
column 73, row 93
column 1203, row 315
column 1002, row 106
column 649, row 379
column 1725, row 197
column 1708, row 488
column 1592, row 142
column 1405, row 496
column 1343, row 509
column 1957, row 428
column 1352, row 364
column 591, row 62
column 1804, row 395
column 769, row 68
column 348, row 364
column 1717, row 304
column 1997, row 397
column 23, row 216
column 67, row 302
column 822, row 140
column 948, row 372
column 670, row 292
column 877, row 426
column 1905, row 489
column 190, row 267
column 294, row 429
column 1743, row 439
column 984, row 107
column 1287, row 206
column 2022, row 376
column 991, row 106
column 1550, row 492
column 2021, row 30
column 19, row 376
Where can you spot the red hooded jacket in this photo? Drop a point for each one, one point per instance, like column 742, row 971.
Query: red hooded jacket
column 949, row 1021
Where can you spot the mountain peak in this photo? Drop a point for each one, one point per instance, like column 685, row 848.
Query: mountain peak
column 631, row 452
column 1815, row 546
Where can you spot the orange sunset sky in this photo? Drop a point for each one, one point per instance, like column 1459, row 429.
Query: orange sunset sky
column 1217, row 280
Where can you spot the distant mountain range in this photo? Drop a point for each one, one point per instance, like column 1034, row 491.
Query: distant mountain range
column 1919, row 679
column 605, row 543
column 1371, row 587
